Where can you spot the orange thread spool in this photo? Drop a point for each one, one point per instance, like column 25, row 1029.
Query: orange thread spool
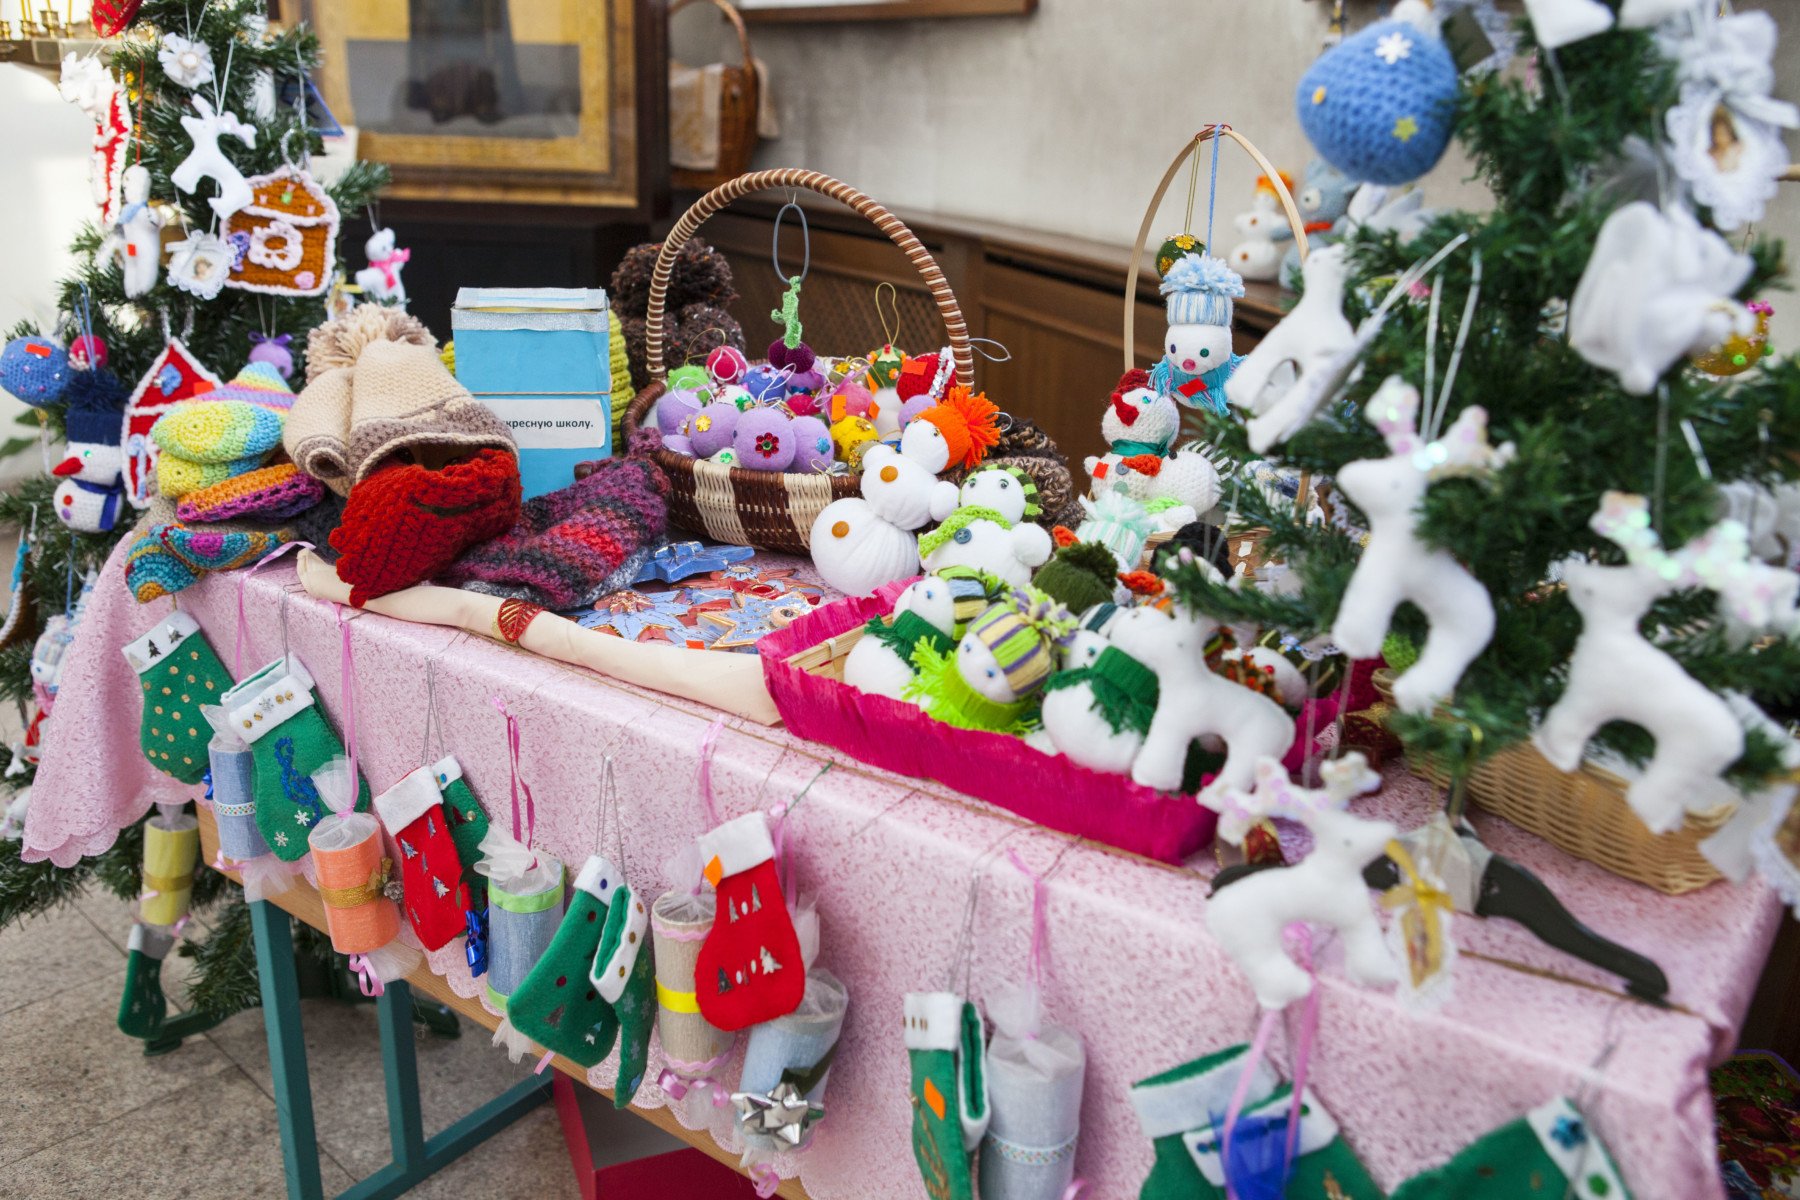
column 348, row 855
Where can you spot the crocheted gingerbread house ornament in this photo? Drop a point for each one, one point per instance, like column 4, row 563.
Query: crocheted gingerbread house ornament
column 176, row 375
column 285, row 239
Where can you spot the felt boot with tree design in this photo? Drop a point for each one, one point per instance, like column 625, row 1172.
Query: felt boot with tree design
column 556, row 1005
column 947, row 1048
column 178, row 672
column 749, row 969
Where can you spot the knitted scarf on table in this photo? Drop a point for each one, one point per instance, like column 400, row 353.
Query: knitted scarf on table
column 1125, row 690
column 907, row 631
column 946, row 696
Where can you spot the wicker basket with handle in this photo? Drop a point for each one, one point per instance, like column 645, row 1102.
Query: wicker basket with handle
column 763, row 508
column 739, row 94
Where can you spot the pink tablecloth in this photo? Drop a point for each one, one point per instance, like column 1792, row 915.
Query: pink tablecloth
column 890, row 860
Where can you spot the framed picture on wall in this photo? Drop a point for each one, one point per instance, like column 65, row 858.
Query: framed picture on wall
column 528, row 101
column 879, row 10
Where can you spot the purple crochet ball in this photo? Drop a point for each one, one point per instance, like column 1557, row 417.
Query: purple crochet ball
column 767, row 385
column 275, row 352
column 711, row 429
column 679, row 443
column 674, row 408
column 812, row 445
column 764, row 440
column 912, row 407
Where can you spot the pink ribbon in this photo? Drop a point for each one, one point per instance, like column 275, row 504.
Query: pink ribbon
column 1074, row 1189
column 366, row 978
column 1309, row 1024
column 347, row 693
column 678, row 1088
column 389, row 266
column 767, row 1181
column 708, row 744
column 543, row 1062
column 237, row 657
column 522, row 833
column 1040, row 918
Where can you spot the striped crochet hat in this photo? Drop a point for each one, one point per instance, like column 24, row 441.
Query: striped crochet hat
column 258, row 383
column 1199, row 289
column 971, row 592
column 1021, row 632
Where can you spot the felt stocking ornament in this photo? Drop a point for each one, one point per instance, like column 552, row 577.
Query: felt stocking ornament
column 177, row 672
column 1252, row 1163
column 1550, row 1151
column 749, row 969
column 947, row 1048
column 1191, row 1098
column 625, row 975
column 557, row 1006
column 468, row 822
column 142, row 1005
column 431, row 872
column 276, row 712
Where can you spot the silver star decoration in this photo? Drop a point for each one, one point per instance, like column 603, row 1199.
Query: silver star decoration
column 783, row 1112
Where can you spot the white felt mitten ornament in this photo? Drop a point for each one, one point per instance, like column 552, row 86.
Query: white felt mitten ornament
column 881, row 661
column 1556, row 23
column 1193, row 702
column 983, row 539
column 1315, row 339
column 1396, row 566
column 207, row 161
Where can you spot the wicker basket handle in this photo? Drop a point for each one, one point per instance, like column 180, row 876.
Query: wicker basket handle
column 731, row 14
column 1162, row 189
column 793, row 177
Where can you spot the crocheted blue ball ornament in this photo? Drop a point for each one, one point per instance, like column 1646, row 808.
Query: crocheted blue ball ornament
column 35, row 369
column 1378, row 106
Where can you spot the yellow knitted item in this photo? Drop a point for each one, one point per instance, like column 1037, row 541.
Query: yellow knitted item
column 622, row 391
column 176, row 477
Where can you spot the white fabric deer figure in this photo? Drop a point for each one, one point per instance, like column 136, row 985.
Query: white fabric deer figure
column 1315, row 338
column 207, row 161
column 1617, row 674
column 1192, row 701
column 1248, row 917
column 1396, row 566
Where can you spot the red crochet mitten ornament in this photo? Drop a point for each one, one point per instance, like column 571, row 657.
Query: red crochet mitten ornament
column 431, row 871
column 749, row 969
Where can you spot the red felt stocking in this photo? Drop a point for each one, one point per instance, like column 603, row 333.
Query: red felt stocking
column 431, row 871
column 749, row 969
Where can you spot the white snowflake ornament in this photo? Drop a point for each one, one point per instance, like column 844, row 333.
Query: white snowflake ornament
column 187, row 62
column 1392, row 48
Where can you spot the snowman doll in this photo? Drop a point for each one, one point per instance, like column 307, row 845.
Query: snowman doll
column 1139, row 423
column 861, row 542
column 136, row 239
column 1097, row 709
column 983, row 539
column 998, row 668
column 1264, row 229
column 881, row 661
column 1197, row 359
column 957, row 431
column 1009, row 491
column 92, row 486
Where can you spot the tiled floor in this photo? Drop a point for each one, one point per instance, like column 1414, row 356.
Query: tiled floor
column 86, row 1114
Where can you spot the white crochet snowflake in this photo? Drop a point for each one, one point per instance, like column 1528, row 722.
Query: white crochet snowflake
column 188, row 63
column 1394, row 47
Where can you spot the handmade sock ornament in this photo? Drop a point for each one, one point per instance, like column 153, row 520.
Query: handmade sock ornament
column 1193, row 702
column 881, row 661
column 206, row 160
column 524, row 911
column 749, row 968
column 623, row 971
column 415, row 814
column 177, row 672
column 1254, row 1160
column 693, row 1048
column 1550, row 1151
column 984, row 539
column 171, row 852
column 787, row 1062
column 1396, row 566
column 353, row 878
column 142, row 1004
column 556, row 1005
column 1197, row 361
column 1315, row 340
column 1186, row 1102
column 946, row 1046
column 999, row 666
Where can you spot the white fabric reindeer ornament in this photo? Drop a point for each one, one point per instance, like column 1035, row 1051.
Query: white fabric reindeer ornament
column 1617, row 674
column 1248, row 917
column 1315, row 339
column 1396, row 566
column 207, row 161
column 137, row 237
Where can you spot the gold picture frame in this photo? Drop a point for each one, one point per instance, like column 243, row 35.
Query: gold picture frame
column 524, row 101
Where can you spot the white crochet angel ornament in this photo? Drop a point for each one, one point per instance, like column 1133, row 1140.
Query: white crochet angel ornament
column 1396, row 566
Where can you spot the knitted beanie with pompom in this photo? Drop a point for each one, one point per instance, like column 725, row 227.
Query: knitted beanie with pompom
column 1079, row 576
column 341, row 341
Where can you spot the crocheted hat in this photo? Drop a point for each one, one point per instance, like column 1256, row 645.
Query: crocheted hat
column 259, row 383
column 270, row 493
column 217, row 431
column 1199, row 289
column 971, row 592
column 1020, row 633
column 318, row 425
column 970, row 424
column 96, row 401
column 403, row 397
column 572, row 546
column 1079, row 576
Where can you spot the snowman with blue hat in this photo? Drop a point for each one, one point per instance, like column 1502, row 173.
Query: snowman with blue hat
column 1197, row 358
column 92, row 486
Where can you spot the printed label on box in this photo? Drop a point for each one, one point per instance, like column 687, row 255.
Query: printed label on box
column 553, row 423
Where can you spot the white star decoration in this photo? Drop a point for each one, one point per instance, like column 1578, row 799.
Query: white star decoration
column 1392, row 48
column 304, row 817
column 280, row 838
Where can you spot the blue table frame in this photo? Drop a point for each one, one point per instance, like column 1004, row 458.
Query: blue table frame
column 416, row 1157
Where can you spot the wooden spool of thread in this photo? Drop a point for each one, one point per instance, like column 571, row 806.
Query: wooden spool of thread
column 353, row 869
column 171, row 851
column 679, row 923
column 523, row 913
column 234, row 804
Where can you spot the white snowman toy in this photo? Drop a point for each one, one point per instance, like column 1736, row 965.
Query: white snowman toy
column 1084, row 720
column 881, row 662
column 1197, row 359
column 982, row 538
column 92, row 488
column 861, row 542
column 1009, row 491
column 1264, row 232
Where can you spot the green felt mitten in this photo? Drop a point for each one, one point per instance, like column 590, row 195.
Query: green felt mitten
column 557, row 1005
column 276, row 711
column 947, row 1048
column 1550, row 1152
column 142, row 1006
column 625, row 975
column 179, row 672
column 1186, row 1099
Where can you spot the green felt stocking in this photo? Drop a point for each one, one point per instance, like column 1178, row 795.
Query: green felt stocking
column 1189, row 1098
column 179, row 672
column 276, row 711
column 947, row 1048
column 557, row 1005
column 468, row 822
column 143, row 1005
column 1549, row 1153
column 624, row 973
column 1323, row 1165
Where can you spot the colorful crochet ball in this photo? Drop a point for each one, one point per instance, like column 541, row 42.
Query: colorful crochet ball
column 35, row 370
column 216, row 431
column 88, row 352
column 1379, row 106
column 766, row 384
column 799, row 359
column 812, row 445
column 711, row 429
column 764, row 440
column 675, row 409
column 727, row 364
column 259, row 383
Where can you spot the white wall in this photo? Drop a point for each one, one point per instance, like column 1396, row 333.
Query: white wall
column 1066, row 119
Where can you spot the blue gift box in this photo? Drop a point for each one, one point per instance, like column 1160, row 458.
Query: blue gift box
column 539, row 357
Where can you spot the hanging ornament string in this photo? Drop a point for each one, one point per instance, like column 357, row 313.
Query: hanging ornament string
column 708, row 743
column 787, row 315
column 1441, row 408
column 892, row 334
column 243, row 624
column 963, row 953
column 525, row 830
column 348, row 691
column 1303, row 1045
column 781, row 813
column 1212, row 184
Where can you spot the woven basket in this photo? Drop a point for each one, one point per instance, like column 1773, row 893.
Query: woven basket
column 1584, row 812
column 738, row 99
column 763, row 508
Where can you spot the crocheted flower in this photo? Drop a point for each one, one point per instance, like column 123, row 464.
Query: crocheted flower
column 188, row 63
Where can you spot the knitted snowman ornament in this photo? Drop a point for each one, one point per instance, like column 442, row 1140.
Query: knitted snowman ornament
column 982, row 538
column 999, row 666
column 881, row 661
column 1098, row 709
column 750, row 968
column 92, row 487
column 1197, row 358
column 1139, row 419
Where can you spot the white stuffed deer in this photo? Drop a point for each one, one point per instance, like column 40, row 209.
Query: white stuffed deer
column 1192, row 701
column 1315, row 337
column 1248, row 917
column 1617, row 674
column 207, row 161
column 1396, row 566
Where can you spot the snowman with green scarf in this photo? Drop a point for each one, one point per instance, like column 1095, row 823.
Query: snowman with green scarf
column 1197, row 358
